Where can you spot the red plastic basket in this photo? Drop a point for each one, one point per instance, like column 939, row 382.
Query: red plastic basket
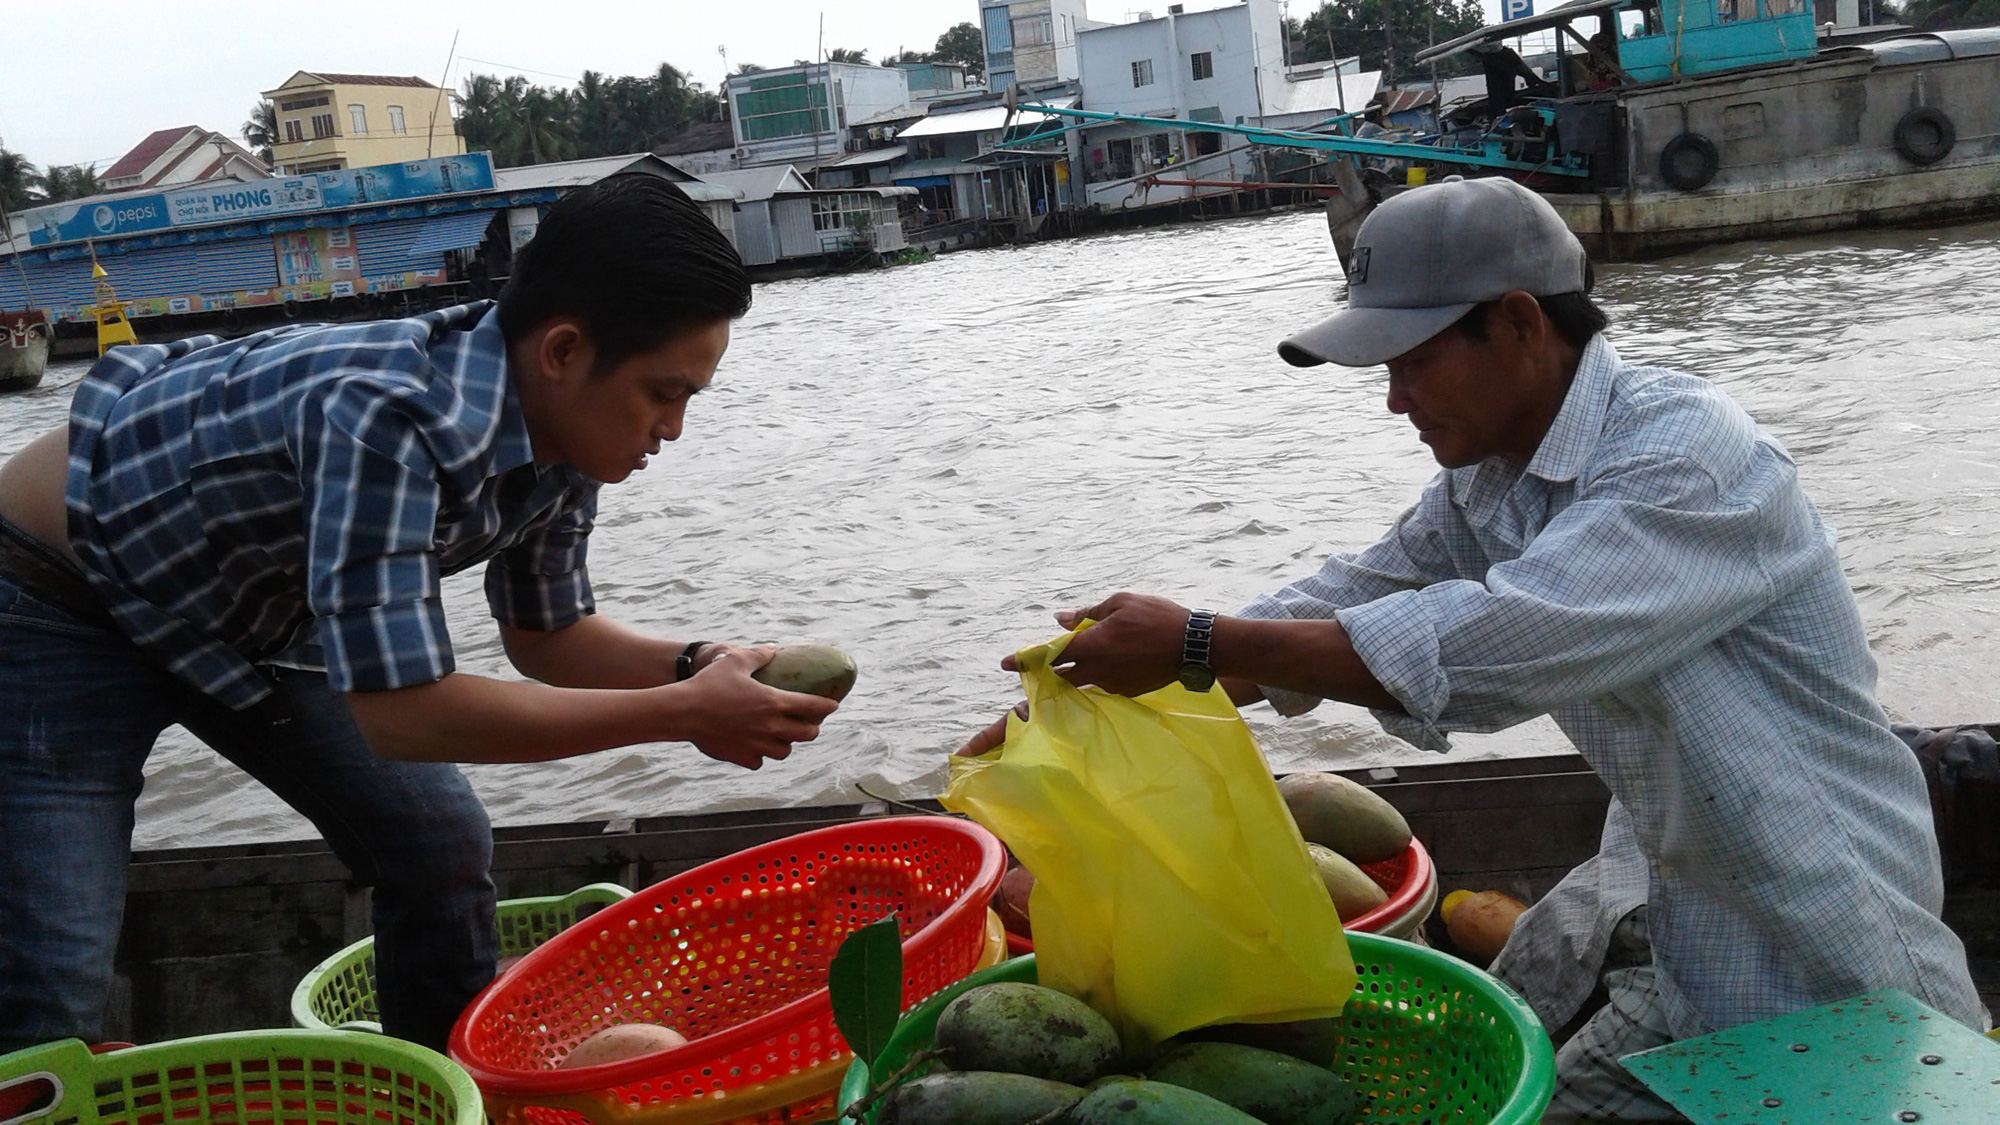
column 1407, row 878
column 733, row 955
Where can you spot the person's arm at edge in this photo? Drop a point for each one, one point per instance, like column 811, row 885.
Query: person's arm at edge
column 596, row 652
column 470, row 718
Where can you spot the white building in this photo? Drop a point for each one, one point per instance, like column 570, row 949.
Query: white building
column 1224, row 66
column 1031, row 40
column 799, row 115
column 175, row 157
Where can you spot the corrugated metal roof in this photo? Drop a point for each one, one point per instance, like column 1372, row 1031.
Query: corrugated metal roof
column 753, row 184
column 989, row 119
column 872, row 156
column 576, row 173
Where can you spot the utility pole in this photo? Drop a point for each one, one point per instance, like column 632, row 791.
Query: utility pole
column 1339, row 88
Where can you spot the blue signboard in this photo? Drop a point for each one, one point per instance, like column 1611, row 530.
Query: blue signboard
column 1516, row 9
column 258, row 199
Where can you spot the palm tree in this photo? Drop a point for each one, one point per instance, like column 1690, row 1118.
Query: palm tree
column 17, row 178
column 70, row 181
column 260, row 129
column 842, row 54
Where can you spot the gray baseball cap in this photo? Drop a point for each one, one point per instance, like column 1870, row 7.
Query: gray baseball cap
column 1425, row 257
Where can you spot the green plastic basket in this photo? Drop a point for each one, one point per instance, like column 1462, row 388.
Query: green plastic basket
column 340, row 991
column 1427, row 1039
column 282, row 1077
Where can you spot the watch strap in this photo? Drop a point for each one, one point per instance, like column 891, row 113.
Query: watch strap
column 1198, row 641
column 684, row 663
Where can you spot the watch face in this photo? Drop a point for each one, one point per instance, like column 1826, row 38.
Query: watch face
column 1197, row 677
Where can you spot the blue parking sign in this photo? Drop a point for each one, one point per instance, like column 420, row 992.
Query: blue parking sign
column 1516, row 9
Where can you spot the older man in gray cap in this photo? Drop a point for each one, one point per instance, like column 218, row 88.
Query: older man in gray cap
column 1623, row 549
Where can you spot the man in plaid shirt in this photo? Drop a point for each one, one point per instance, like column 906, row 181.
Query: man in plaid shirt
column 247, row 538
column 1623, row 549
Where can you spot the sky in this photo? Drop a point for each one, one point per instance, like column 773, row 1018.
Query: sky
column 208, row 64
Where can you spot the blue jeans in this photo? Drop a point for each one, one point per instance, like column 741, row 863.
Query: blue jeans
column 80, row 709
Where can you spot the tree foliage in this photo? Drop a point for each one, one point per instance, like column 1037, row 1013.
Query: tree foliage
column 844, row 55
column 1387, row 34
column 69, row 181
column 18, row 180
column 260, row 129
column 962, row 44
column 522, row 123
column 23, row 185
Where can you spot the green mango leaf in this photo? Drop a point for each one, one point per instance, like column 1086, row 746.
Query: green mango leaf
column 866, row 981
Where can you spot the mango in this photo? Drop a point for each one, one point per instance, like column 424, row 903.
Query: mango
column 1349, row 818
column 1026, row 1029
column 1313, row 1041
column 619, row 1042
column 1354, row 893
column 1480, row 922
column 1154, row 1103
column 963, row 1097
column 812, row 669
column 1274, row 1088
column 1010, row 902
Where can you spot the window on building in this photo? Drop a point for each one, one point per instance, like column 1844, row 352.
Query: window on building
column 1203, row 64
column 304, row 103
column 323, row 125
column 1205, row 144
column 842, row 212
column 1001, row 79
column 789, row 105
column 295, row 131
column 1119, row 154
column 357, row 120
column 321, row 166
column 396, row 120
column 1033, row 31
column 1142, row 73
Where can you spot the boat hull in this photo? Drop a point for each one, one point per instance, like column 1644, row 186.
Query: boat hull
column 24, row 349
column 216, row 938
column 1799, row 148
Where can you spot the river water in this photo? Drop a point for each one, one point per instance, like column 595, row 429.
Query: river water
column 921, row 464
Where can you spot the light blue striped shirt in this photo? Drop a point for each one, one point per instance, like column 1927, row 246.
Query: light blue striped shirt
column 1657, row 581
column 227, row 496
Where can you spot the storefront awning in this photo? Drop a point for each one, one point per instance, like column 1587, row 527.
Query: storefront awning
column 450, row 232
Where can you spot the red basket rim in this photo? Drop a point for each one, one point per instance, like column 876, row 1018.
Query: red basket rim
column 1416, row 861
column 986, row 880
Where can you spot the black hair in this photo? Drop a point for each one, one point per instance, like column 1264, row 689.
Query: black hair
column 1576, row 317
column 633, row 259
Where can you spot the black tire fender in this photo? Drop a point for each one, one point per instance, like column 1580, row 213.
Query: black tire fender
column 1689, row 161
column 1925, row 135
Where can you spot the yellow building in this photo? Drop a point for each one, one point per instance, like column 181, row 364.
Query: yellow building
column 329, row 121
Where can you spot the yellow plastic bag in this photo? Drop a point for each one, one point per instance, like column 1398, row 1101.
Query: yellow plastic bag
column 1172, row 889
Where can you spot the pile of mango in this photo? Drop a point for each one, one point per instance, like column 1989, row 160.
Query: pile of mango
column 1022, row 1054
column 1345, row 825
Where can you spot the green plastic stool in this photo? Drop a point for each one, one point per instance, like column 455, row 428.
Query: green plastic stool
column 340, row 991
column 1881, row 1056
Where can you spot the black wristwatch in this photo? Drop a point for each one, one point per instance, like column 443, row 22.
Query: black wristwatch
column 1195, row 673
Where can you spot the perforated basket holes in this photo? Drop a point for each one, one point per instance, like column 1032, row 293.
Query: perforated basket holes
column 347, row 993
column 707, row 955
column 287, row 1091
column 1421, row 1050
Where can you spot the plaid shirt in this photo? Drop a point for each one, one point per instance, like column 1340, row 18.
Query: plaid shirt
column 227, row 496
column 1657, row 581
